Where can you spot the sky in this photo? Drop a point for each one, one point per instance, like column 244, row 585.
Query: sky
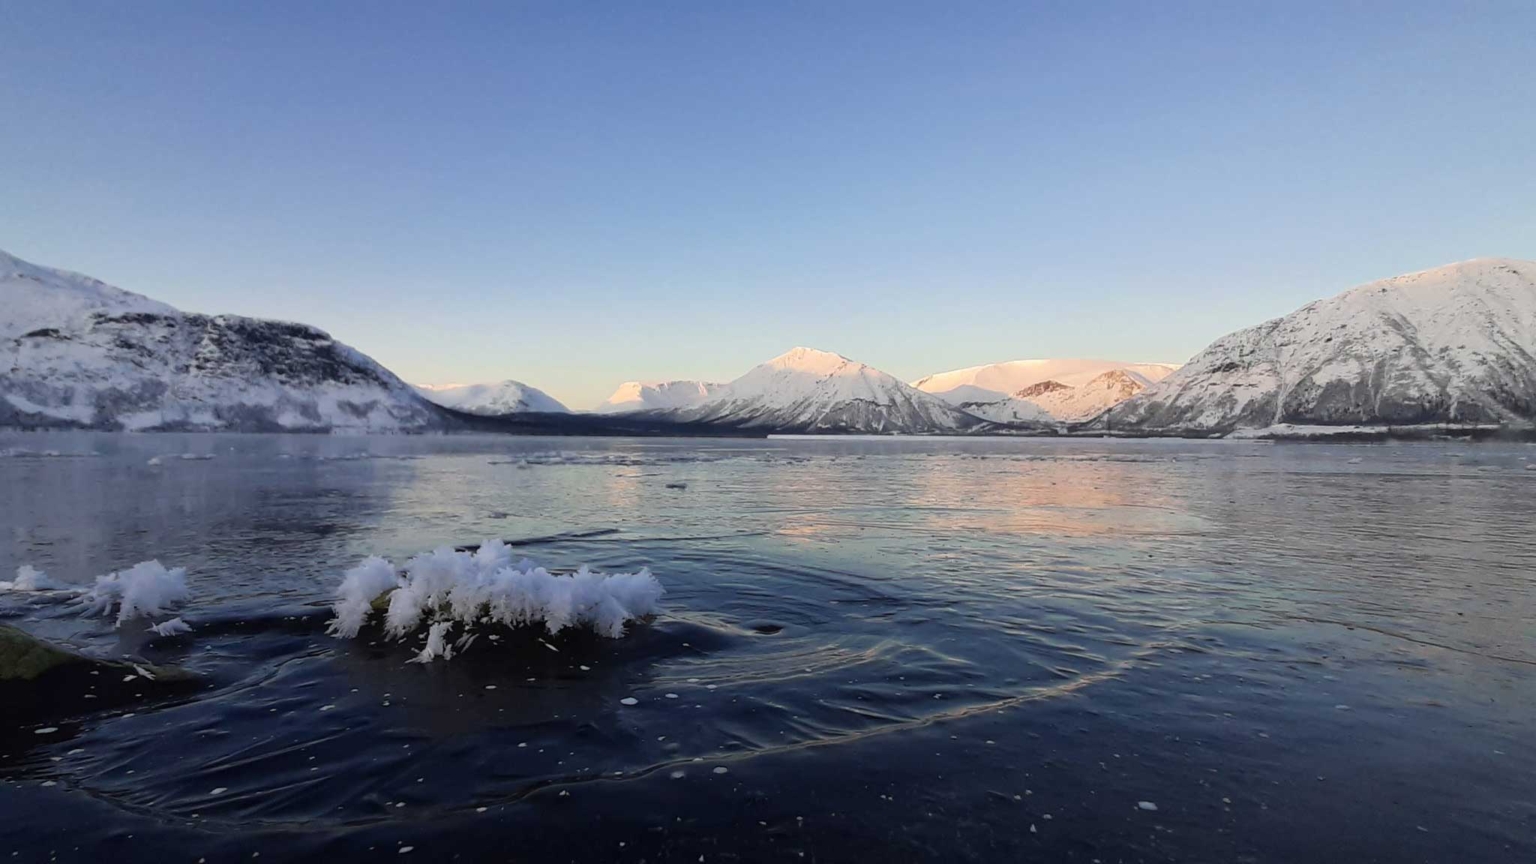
column 578, row 194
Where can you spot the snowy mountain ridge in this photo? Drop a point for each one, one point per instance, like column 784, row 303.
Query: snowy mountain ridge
column 1454, row 344
column 1072, row 404
column 656, row 395
column 76, row 352
column 501, row 397
column 1015, row 375
column 807, row 390
column 1066, row 390
column 994, row 406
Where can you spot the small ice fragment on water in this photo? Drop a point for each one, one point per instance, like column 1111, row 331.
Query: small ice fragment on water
column 1356, row 461
column 549, row 646
column 671, row 695
column 173, row 627
column 327, row 707
column 437, row 643
column 49, row 783
column 153, row 460
column 1341, row 707
column 1032, row 828
column 405, row 849
column 479, row 809
column 46, row 730
column 490, row 686
column 523, row 744
column 586, row 668
column 143, row 673
column 721, row 769
column 678, row 775
column 1146, row 805
column 629, row 700
column 219, row 791
column 127, row 678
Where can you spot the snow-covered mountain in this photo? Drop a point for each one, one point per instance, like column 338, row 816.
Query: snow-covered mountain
column 1015, row 375
column 806, row 390
column 994, row 406
column 1452, row 344
column 76, row 352
column 1066, row 390
column 656, row 396
column 503, row 397
column 1072, row 404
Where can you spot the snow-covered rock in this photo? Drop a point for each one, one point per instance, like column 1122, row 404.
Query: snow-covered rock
column 657, row 396
column 1016, row 375
column 1456, row 344
column 994, row 406
column 806, row 390
column 76, row 352
column 504, row 397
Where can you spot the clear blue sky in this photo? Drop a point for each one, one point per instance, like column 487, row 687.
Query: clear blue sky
column 572, row 194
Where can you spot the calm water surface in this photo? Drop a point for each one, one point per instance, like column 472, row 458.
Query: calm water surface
column 871, row 650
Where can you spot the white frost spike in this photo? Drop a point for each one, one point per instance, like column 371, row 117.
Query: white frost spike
column 173, row 627
column 145, row 590
column 437, row 644
column 143, row 673
column 29, row 578
column 484, row 587
column 355, row 596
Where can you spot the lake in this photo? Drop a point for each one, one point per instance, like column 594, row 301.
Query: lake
column 869, row 649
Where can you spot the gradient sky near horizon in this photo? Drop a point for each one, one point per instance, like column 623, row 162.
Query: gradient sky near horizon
column 575, row 194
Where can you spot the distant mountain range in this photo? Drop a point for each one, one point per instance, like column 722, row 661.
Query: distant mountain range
column 805, row 390
column 657, row 396
column 1455, row 345
column 1061, row 390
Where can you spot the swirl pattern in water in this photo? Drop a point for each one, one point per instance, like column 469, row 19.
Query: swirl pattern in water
column 894, row 649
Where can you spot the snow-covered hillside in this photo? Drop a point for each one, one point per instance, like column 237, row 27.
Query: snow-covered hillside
column 76, row 352
column 1071, row 404
column 1452, row 344
column 656, row 396
column 503, row 397
column 1065, row 390
column 1015, row 375
column 994, row 406
column 806, row 390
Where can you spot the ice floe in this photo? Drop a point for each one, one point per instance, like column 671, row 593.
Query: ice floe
column 173, row 627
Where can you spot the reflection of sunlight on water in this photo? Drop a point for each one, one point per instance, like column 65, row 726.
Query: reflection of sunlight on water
column 821, row 594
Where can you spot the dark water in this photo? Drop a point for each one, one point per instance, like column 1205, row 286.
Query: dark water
column 896, row 650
